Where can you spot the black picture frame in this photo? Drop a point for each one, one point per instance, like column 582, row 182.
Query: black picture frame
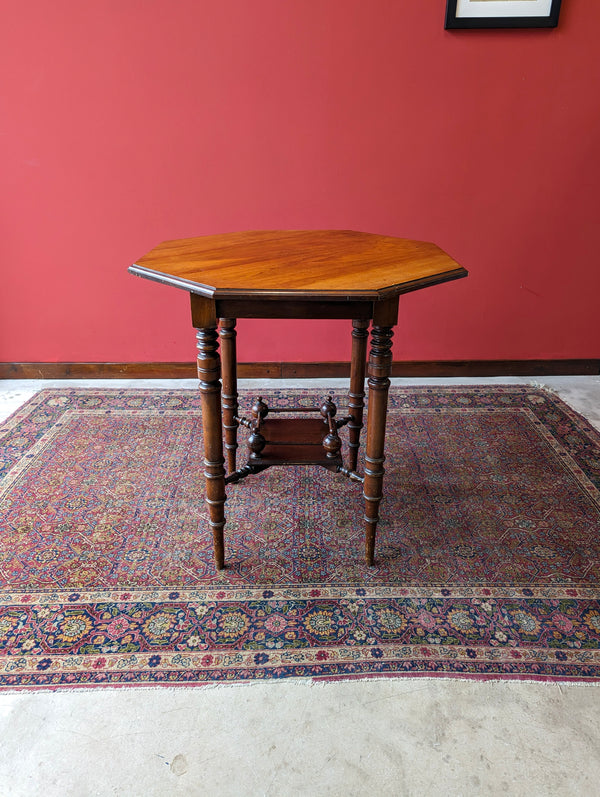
column 501, row 21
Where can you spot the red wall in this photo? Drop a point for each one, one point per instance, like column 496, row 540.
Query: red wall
column 128, row 122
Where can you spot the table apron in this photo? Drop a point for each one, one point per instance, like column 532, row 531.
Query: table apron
column 292, row 308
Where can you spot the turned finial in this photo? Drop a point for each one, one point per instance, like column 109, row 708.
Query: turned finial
column 328, row 408
column 260, row 408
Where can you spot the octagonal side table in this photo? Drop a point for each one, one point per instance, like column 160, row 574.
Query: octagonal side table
column 311, row 274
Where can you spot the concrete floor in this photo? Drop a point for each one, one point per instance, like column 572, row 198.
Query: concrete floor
column 397, row 736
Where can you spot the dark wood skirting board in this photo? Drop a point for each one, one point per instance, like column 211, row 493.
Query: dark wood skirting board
column 291, row 370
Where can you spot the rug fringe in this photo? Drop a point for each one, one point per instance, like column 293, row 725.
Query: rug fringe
column 442, row 680
column 544, row 387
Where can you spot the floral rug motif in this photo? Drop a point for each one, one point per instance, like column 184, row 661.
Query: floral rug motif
column 487, row 554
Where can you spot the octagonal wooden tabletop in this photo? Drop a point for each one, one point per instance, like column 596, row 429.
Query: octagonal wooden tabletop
column 298, row 264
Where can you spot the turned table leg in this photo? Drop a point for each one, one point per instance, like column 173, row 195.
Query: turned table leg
column 209, row 372
column 227, row 334
column 380, row 362
column 360, row 335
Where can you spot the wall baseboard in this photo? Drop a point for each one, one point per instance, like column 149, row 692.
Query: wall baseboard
column 291, row 370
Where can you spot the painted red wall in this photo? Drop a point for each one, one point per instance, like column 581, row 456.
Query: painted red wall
column 128, row 122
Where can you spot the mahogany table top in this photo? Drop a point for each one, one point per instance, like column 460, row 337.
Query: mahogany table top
column 338, row 265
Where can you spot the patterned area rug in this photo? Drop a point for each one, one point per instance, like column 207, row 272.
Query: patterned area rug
column 487, row 557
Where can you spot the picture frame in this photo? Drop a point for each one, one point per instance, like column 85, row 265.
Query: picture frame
column 502, row 14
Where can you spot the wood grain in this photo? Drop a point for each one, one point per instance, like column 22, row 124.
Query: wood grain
column 340, row 265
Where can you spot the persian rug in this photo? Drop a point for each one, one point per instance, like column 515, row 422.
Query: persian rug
column 487, row 555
